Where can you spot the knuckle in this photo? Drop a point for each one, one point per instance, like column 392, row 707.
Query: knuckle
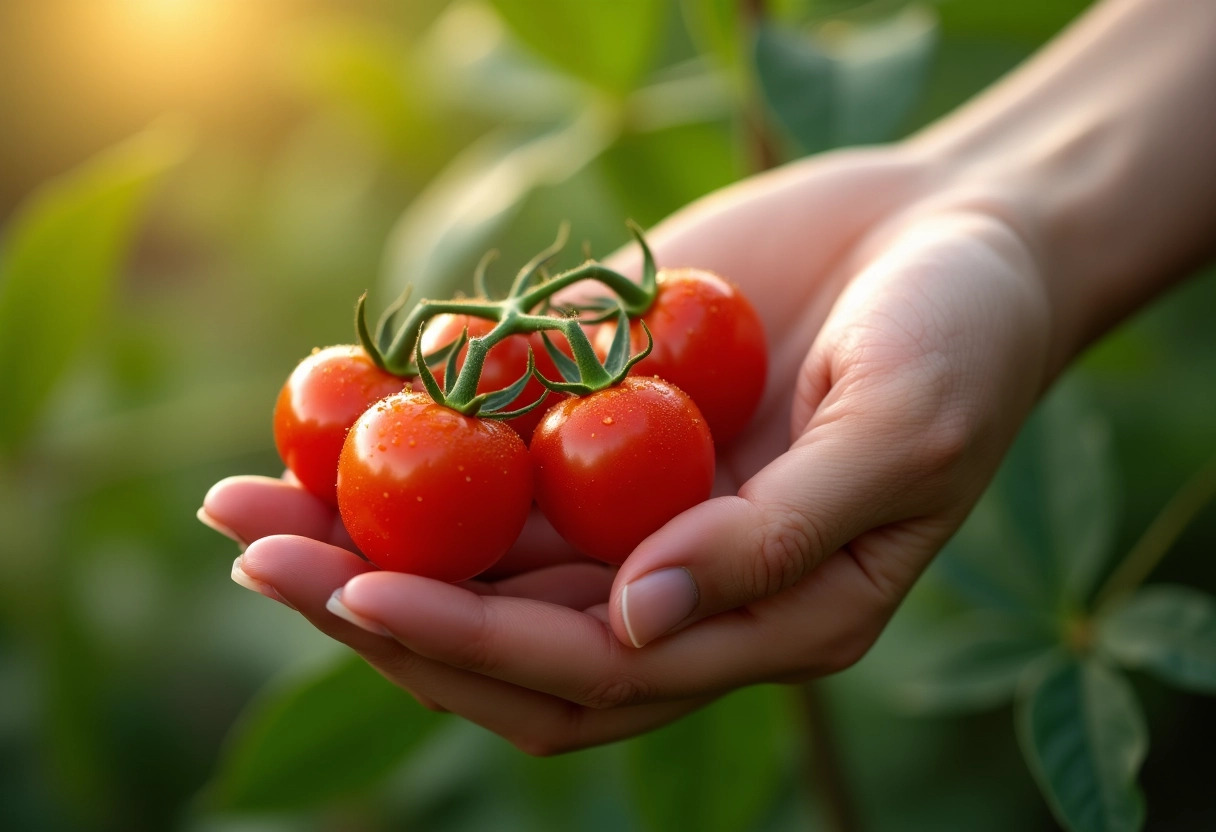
column 945, row 444
column 396, row 663
column 477, row 655
column 617, row 690
column 541, row 746
column 847, row 648
column 786, row 547
column 430, row 704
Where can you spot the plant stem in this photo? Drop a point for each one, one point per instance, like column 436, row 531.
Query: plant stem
column 1161, row 534
column 824, row 767
column 761, row 145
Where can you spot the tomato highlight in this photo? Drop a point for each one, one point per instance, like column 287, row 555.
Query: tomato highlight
column 429, row 491
column 614, row 466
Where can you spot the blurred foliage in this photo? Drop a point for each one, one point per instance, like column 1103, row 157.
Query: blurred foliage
column 344, row 146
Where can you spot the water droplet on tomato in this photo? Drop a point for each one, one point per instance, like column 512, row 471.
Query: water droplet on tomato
column 607, row 420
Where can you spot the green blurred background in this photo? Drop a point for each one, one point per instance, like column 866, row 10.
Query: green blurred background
column 192, row 195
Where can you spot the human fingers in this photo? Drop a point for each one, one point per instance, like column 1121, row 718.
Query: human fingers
column 248, row 508
column 915, row 385
column 823, row 626
column 304, row 574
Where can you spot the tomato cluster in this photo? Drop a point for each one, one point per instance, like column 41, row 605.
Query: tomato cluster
column 603, row 414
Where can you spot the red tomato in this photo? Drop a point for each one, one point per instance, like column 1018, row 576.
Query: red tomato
column 426, row 490
column 708, row 341
column 324, row 396
column 504, row 364
column 614, row 466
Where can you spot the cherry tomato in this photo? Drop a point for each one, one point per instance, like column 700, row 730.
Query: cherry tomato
column 504, row 364
column 614, row 466
column 322, row 398
column 708, row 341
column 426, row 490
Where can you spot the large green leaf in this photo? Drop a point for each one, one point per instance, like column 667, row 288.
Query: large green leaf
column 447, row 228
column 1031, row 20
column 714, row 25
column 476, row 65
column 62, row 255
column 1170, row 631
column 1084, row 738
column 372, row 78
column 798, row 81
column 974, row 661
column 844, row 82
column 1041, row 535
column 607, row 42
column 1079, row 490
column 311, row 740
column 716, row 770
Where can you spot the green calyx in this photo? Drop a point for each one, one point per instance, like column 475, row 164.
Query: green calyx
column 584, row 374
column 395, row 345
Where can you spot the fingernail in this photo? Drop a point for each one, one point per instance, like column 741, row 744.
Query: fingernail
column 335, row 605
column 655, row 603
column 211, row 523
column 240, row 576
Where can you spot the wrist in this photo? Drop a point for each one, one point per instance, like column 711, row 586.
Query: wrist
column 1096, row 154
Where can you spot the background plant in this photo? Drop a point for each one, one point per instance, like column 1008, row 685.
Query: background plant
column 153, row 296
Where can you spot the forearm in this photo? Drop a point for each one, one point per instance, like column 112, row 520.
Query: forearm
column 1101, row 152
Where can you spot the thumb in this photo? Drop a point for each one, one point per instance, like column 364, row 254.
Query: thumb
column 732, row 551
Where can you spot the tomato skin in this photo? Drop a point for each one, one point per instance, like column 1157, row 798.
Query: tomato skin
column 321, row 399
column 426, row 490
column 505, row 363
column 614, row 466
column 708, row 341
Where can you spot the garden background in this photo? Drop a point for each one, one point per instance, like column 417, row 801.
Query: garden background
column 192, row 195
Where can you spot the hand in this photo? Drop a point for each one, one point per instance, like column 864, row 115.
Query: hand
column 909, row 339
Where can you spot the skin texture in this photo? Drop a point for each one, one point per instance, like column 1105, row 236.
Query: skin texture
column 918, row 298
column 613, row 467
column 425, row 490
column 708, row 341
column 322, row 398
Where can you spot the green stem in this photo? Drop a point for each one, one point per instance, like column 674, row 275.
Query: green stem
column 759, row 138
column 634, row 297
column 825, row 770
column 1160, row 536
column 399, row 356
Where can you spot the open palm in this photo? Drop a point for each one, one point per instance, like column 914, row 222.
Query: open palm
column 908, row 340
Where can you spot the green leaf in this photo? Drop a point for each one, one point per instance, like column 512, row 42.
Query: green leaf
column 441, row 236
column 796, row 77
column 311, row 740
column 714, row 25
column 1042, row 534
column 1080, row 489
column 1169, row 631
column 1084, row 738
column 62, row 255
column 609, row 43
column 881, row 72
column 374, row 80
column 1031, row 20
column 716, row 770
column 475, row 65
column 973, row 661
column 845, row 82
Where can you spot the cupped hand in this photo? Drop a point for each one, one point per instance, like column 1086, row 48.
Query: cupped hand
column 909, row 336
